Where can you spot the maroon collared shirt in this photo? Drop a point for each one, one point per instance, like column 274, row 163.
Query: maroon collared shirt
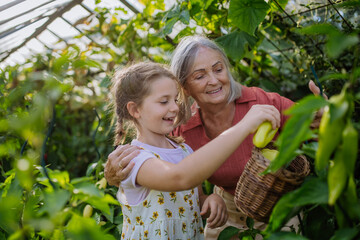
column 229, row 172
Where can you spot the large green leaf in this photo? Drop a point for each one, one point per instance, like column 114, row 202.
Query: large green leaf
column 313, row 191
column 228, row 232
column 236, row 43
column 297, row 128
column 308, row 104
column 337, row 43
column 54, row 201
column 248, row 14
column 85, row 229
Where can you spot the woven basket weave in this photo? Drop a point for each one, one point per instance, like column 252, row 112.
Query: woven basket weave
column 256, row 194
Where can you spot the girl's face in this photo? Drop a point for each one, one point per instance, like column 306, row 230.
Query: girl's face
column 158, row 111
column 208, row 82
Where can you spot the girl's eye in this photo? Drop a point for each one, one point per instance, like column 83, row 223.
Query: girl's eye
column 163, row 102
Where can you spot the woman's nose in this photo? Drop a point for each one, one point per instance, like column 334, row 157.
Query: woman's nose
column 212, row 78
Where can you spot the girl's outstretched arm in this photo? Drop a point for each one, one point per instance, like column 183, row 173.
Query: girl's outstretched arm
column 200, row 165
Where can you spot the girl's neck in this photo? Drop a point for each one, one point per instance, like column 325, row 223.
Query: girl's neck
column 156, row 141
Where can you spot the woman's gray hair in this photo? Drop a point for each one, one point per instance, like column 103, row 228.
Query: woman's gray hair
column 184, row 56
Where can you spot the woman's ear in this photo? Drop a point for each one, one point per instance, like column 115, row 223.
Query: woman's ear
column 133, row 109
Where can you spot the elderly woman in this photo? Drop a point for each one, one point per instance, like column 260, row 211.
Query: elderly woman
column 219, row 103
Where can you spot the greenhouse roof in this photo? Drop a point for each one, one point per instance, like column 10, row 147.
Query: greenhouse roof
column 32, row 26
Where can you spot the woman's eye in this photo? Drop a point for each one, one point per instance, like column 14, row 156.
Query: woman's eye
column 199, row 77
column 164, row 102
column 219, row 70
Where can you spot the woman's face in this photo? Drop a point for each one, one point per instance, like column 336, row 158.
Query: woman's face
column 208, row 81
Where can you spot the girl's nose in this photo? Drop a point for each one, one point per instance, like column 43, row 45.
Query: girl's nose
column 174, row 106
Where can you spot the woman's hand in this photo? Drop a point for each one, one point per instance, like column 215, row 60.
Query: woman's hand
column 315, row 89
column 119, row 165
column 214, row 209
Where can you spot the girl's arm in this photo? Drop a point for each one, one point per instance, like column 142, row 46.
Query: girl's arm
column 200, row 165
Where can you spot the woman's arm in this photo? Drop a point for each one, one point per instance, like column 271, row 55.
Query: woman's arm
column 200, row 165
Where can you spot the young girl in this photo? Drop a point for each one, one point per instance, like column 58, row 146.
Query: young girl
column 159, row 198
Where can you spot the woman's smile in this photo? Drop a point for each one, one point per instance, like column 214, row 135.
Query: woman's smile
column 214, row 91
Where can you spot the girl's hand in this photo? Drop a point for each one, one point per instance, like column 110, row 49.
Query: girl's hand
column 214, row 209
column 260, row 113
column 119, row 165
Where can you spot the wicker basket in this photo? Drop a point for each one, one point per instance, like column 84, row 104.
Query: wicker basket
column 256, row 194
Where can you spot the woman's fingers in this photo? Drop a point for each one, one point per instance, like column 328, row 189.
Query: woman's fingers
column 117, row 167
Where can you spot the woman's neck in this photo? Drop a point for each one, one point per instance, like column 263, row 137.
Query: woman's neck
column 217, row 119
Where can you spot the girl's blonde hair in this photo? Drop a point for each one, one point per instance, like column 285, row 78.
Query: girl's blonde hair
column 132, row 84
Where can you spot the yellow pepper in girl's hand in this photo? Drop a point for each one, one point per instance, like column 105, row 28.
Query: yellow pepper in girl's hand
column 264, row 134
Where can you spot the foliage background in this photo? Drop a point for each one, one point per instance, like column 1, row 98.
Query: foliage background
column 54, row 108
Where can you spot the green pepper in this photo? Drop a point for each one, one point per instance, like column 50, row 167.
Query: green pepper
column 350, row 145
column 330, row 129
column 341, row 219
column 264, row 134
column 337, row 177
column 349, row 200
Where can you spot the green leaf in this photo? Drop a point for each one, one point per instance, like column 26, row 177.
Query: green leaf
column 345, row 234
column 337, row 43
column 236, row 43
column 85, row 229
column 87, row 188
column 286, row 236
column 310, row 149
column 337, row 40
column 54, row 201
column 308, row 104
column 316, row 29
column 169, row 26
column 228, row 232
column 275, row 7
column 334, row 76
column 10, row 209
column 248, row 14
column 313, row 191
column 297, row 129
column 102, row 203
column 185, row 17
